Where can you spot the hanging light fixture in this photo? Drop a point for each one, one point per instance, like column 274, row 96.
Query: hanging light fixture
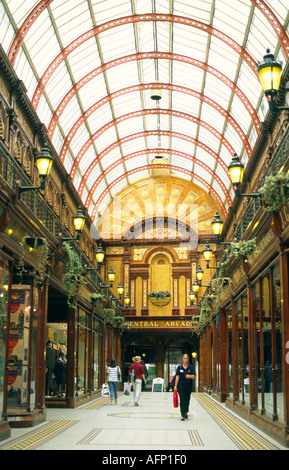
column 199, row 274
column 111, row 276
column 99, row 255
column 78, row 222
column 236, row 172
column 196, row 287
column 44, row 163
column 270, row 71
column 207, row 252
column 192, row 296
column 217, row 227
column 120, row 289
column 127, row 300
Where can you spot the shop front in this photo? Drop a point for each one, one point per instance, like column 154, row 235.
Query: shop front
column 245, row 350
column 154, row 340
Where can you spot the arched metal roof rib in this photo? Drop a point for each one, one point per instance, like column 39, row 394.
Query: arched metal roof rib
column 151, row 86
column 135, row 136
column 152, row 55
column 89, row 67
column 33, row 15
column 162, row 151
column 135, row 19
column 144, row 112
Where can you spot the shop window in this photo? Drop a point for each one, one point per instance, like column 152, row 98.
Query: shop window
column 230, row 353
column 4, row 272
column 56, row 361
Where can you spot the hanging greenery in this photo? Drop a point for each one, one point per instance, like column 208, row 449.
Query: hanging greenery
column 73, row 277
column 120, row 322
column 236, row 249
column 96, row 296
column 41, row 252
column 21, row 266
column 43, row 261
column 275, row 192
column 243, row 248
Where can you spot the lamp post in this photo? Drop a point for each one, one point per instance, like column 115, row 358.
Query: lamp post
column 43, row 162
column 236, row 172
column 120, row 290
column 78, row 222
column 111, row 276
column 269, row 71
column 217, row 227
column 126, row 300
column 208, row 252
column 192, row 296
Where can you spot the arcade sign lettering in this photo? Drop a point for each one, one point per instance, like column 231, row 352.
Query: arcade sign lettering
column 160, row 324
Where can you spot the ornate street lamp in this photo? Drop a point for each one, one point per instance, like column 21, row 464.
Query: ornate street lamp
column 269, row 71
column 43, row 162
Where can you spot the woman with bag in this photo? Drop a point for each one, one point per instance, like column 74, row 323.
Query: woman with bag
column 113, row 378
column 184, row 375
column 139, row 372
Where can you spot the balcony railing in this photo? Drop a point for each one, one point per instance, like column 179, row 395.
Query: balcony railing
column 10, row 172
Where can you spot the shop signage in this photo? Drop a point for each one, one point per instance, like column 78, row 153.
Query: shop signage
column 160, row 324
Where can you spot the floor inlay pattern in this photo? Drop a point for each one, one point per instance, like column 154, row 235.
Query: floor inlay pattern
column 243, row 436
column 143, row 437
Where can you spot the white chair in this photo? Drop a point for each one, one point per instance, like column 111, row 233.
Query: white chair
column 158, row 381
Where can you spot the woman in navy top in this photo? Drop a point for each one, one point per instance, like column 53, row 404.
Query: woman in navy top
column 184, row 375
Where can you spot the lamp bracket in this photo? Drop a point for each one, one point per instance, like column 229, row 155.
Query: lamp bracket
column 66, row 239
column 23, row 189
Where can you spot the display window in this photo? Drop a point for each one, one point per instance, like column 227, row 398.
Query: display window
column 56, row 361
column 17, row 392
column 4, row 273
column 268, row 338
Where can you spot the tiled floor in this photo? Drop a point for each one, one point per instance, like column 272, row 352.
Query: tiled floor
column 155, row 425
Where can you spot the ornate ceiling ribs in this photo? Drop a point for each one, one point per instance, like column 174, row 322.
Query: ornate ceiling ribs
column 143, row 134
column 156, row 56
column 151, row 86
column 154, row 151
column 151, row 55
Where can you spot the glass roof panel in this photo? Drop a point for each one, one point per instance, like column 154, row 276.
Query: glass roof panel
column 184, row 108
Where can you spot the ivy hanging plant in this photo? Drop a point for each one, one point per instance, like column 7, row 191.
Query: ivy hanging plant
column 21, row 265
column 275, row 192
column 43, row 261
column 243, row 248
column 41, row 252
column 73, row 277
column 96, row 296
column 120, row 322
column 236, row 249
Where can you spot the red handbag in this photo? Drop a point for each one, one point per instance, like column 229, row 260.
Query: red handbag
column 176, row 399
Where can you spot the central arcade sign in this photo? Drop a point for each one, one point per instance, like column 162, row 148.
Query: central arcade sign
column 164, row 324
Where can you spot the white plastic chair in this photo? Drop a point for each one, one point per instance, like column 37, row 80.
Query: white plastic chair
column 158, row 381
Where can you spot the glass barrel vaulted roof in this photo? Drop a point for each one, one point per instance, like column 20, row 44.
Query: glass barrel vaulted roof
column 89, row 67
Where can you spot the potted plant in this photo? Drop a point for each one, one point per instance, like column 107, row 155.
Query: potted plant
column 275, row 192
column 160, row 298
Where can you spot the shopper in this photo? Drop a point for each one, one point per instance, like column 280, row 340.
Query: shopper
column 185, row 373
column 113, row 379
column 60, row 374
column 139, row 374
